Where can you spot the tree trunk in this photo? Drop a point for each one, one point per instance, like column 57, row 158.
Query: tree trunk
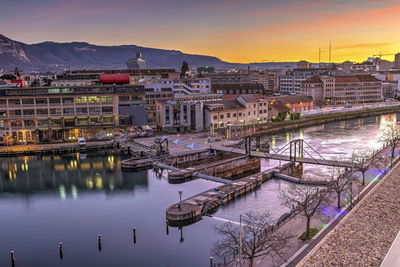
column 308, row 227
column 251, row 259
column 338, row 200
column 391, row 160
column 363, row 181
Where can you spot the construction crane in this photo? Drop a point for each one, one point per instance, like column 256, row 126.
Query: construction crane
column 380, row 55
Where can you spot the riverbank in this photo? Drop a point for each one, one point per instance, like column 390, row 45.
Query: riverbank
column 276, row 127
column 50, row 149
column 297, row 249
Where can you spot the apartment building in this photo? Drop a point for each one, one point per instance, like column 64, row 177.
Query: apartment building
column 242, row 110
column 291, row 81
column 267, row 78
column 184, row 113
column 343, row 89
column 51, row 114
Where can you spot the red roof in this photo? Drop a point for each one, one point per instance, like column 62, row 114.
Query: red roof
column 114, row 78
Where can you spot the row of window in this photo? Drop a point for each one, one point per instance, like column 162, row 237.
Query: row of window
column 58, row 111
column 63, row 122
column 240, row 114
column 57, row 101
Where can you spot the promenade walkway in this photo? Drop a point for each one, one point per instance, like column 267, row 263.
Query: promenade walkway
column 365, row 235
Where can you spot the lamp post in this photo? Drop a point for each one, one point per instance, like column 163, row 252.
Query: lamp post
column 240, row 240
column 180, row 192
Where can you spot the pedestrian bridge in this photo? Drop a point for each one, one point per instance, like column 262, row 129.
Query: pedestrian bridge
column 293, row 151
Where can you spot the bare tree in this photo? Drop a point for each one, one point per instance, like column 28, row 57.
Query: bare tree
column 305, row 200
column 391, row 136
column 360, row 158
column 256, row 238
column 340, row 181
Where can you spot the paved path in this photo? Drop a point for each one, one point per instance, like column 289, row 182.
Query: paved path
column 364, row 236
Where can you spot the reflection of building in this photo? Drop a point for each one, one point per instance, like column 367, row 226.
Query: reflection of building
column 69, row 174
column 61, row 114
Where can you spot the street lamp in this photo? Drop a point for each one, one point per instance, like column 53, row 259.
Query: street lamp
column 180, row 192
column 240, row 240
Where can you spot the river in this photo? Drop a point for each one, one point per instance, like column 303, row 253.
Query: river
column 73, row 198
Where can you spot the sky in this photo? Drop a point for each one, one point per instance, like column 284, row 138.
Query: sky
column 233, row 30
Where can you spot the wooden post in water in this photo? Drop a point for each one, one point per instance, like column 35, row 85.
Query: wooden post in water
column 99, row 242
column 60, row 248
column 134, row 235
column 12, row 258
column 211, row 262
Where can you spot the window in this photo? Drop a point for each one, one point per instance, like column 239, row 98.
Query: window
column 95, row 121
column 215, row 117
column 14, row 102
column 94, row 99
column 107, row 109
column 82, row 121
column 95, row 110
column 81, row 100
column 106, row 99
column 81, row 110
column 29, row 123
column 54, row 101
column 28, row 112
column 28, row 101
column 124, row 98
column 42, row 111
column 42, row 123
column 41, row 101
column 55, row 111
column 68, row 101
column 56, row 122
column 69, row 111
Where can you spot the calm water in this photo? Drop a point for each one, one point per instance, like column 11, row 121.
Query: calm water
column 72, row 199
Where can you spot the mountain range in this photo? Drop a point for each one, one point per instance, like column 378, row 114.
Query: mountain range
column 52, row 56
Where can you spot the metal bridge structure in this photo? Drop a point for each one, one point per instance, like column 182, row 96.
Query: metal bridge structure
column 297, row 150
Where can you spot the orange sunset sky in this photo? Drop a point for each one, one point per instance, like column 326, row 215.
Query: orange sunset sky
column 233, row 30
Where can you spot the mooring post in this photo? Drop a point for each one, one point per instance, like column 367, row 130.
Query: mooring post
column 60, row 248
column 211, row 261
column 12, row 258
column 167, row 227
column 99, row 242
column 134, row 235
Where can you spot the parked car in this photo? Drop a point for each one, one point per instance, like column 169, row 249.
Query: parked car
column 81, row 141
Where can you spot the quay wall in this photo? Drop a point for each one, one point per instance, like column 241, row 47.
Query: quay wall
column 191, row 209
column 229, row 168
column 276, row 127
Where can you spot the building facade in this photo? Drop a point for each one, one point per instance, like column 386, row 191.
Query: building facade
column 326, row 89
column 243, row 110
column 49, row 114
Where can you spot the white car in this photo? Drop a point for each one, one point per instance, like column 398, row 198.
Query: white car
column 81, row 141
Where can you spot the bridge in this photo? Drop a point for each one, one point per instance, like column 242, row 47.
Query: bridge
column 293, row 151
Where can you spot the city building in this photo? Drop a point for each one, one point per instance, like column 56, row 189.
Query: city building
column 94, row 75
column 294, row 103
column 302, row 64
column 184, row 113
column 290, row 82
column 397, row 61
column 136, row 63
column 242, row 110
column 325, row 89
column 237, row 89
column 267, row 78
column 51, row 114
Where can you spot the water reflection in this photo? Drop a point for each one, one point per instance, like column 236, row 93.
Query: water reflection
column 67, row 174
